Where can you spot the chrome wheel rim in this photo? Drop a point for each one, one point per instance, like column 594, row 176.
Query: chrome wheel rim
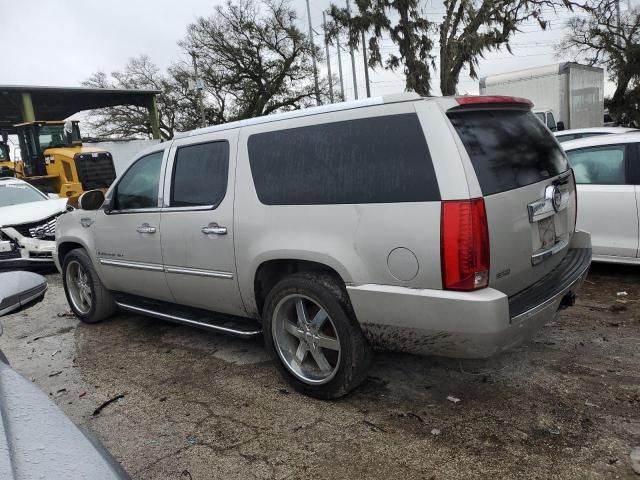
column 306, row 339
column 78, row 287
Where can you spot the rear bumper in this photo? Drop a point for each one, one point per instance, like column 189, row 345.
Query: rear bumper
column 467, row 324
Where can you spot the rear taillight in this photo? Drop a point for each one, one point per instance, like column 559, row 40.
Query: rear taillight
column 464, row 245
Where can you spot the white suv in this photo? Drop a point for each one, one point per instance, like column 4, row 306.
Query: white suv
column 428, row 225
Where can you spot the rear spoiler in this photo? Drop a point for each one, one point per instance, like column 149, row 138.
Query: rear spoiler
column 474, row 100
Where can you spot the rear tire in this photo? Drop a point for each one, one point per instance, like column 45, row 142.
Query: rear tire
column 313, row 336
column 89, row 300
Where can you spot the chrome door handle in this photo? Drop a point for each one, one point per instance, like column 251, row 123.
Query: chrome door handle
column 146, row 228
column 215, row 229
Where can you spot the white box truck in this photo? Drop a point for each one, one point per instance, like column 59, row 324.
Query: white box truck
column 564, row 95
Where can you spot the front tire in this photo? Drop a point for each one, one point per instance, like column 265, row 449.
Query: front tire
column 88, row 298
column 313, row 336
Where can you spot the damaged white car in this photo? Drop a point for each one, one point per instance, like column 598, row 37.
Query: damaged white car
column 27, row 225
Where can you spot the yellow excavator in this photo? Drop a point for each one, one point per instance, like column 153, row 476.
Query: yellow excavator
column 54, row 160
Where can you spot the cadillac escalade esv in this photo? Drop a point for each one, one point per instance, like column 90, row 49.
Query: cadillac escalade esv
column 438, row 226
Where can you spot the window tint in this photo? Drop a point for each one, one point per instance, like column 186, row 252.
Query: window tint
column 138, row 188
column 601, row 165
column 540, row 116
column 508, row 148
column 200, row 174
column 369, row 160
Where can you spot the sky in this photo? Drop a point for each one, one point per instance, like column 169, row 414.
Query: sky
column 62, row 42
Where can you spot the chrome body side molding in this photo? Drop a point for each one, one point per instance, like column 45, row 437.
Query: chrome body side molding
column 150, row 267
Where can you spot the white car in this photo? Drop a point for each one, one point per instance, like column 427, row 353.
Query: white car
column 576, row 133
column 27, row 225
column 607, row 172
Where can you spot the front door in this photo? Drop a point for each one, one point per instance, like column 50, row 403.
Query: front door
column 197, row 223
column 128, row 233
column 606, row 202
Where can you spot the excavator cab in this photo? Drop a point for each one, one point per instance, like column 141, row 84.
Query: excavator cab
column 36, row 137
column 54, row 160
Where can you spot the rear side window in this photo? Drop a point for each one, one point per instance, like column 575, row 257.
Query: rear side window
column 600, row 165
column 369, row 160
column 200, row 175
column 508, row 148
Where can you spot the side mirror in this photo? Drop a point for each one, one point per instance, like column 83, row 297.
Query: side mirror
column 53, row 196
column 560, row 126
column 91, row 200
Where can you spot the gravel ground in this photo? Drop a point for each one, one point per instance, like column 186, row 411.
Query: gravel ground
column 199, row 406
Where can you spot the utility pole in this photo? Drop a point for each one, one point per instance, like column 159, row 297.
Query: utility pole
column 340, row 68
column 366, row 66
column 198, row 88
column 326, row 47
column 618, row 31
column 353, row 61
column 313, row 56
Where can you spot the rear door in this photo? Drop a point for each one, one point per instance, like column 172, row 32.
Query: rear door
column 527, row 186
column 197, row 223
column 608, row 207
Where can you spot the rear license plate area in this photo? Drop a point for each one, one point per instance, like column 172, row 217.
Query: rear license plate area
column 547, row 232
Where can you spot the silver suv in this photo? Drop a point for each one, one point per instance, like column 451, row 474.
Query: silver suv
column 429, row 225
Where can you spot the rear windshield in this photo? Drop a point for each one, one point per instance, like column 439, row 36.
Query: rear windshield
column 508, row 148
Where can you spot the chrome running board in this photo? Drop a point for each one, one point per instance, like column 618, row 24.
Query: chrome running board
column 244, row 328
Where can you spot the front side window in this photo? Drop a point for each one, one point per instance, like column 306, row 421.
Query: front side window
column 200, row 175
column 138, row 188
column 599, row 165
column 369, row 160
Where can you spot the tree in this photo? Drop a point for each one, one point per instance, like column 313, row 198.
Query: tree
column 469, row 29
column 176, row 103
column 597, row 40
column 252, row 62
column 472, row 27
column 253, row 59
column 411, row 33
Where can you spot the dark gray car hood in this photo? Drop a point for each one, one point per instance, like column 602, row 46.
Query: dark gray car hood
column 38, row 441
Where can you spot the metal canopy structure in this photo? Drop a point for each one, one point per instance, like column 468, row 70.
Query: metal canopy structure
column 26, row 103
